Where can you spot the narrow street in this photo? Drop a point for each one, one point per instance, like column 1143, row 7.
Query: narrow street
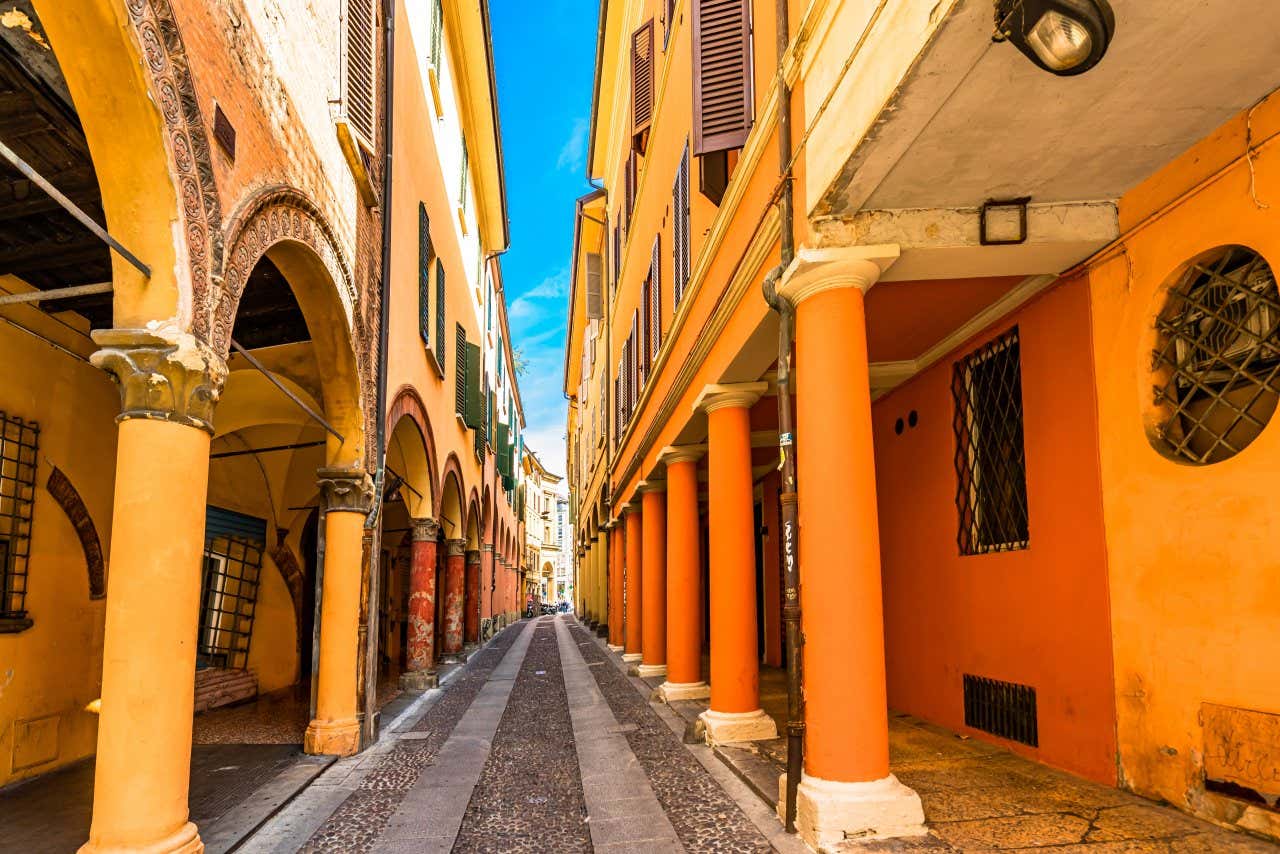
column 539, row 744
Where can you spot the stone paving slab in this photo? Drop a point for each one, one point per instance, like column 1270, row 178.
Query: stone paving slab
column 703, row 815
column 622, row 807
column 530, row 796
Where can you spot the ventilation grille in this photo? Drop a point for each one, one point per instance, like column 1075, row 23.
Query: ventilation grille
column 1005, row 709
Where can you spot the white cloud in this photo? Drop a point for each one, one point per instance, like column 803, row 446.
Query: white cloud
column 573, row 153
column 533, row 305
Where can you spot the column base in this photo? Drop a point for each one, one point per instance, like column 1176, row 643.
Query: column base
column 630, row 657
column 671, row 691
column 730, row 727
column 616, row 647
column 332, row 738
column 419, row 680
column 602, row 630
column 649, row 671
column 185, row 841
column 830, row 813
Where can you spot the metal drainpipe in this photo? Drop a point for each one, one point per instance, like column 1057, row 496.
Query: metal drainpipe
column 786, row 437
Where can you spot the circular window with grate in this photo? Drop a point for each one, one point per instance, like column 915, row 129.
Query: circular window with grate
column 1217, row 357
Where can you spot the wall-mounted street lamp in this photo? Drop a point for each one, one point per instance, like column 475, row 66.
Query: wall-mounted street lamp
column 1064, row 37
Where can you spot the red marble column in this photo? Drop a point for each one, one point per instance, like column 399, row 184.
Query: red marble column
column 454, row 594
column 471, row 607
column 420, row 672
column 489, row 582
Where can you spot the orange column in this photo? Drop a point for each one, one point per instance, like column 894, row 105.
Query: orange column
column 634, row 586
column 168, row 389
column 847, row 786
column 735, row 713
column 616, row 633
column 653, row 560
column 684, row 577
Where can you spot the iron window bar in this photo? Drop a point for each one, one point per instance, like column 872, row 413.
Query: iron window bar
column 19, row 441
column 1218, row 357
column 990, row 458
column 232, row 565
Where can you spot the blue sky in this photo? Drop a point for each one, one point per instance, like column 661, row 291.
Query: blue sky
column 545, row 55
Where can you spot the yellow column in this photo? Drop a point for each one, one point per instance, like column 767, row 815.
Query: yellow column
column 169, row 385
column 347, row 495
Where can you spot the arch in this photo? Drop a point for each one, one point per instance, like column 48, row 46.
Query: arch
column 450, row 510
column 282, row 224
column 410, row 454
column 473, row 521
column 407, row 403
column 146, row 134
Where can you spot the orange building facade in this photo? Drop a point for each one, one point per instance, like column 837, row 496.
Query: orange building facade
column 1028, row 337
column 302, row 484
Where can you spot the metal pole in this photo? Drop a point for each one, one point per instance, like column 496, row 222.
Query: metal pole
column 294, row 447
column 275, row 382
column 72, row 208
column 57, row 293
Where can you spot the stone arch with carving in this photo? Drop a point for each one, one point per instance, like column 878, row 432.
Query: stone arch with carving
column 282, row 222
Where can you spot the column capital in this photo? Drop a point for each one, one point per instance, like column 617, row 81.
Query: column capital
column 425, row 530
column 163, row 374
column 487, row 547
column 345, row 490
column 646, row 486
column 681, row 454
column 455, row 548
column 473, row 555
column 816, row 270
column 722, row 396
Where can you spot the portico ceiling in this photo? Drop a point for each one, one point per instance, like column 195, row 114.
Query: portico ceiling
column 975, row 120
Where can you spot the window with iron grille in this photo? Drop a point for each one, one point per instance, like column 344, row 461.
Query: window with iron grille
column 991, row 470
column 1006, row 709
column 1217, row 357
column 19, row 440
column 229, row 594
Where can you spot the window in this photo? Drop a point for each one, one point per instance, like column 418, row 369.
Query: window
column 655, row 300
column 630, row 190
column 229, row 587
column 424, row 275
column 641, row 85
column 18, row 445
column 437, row 33
column 668, row 21
column 1217, row 357
column 680, row 248
column 991, row 496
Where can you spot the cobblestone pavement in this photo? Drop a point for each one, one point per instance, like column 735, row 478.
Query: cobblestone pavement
column 704, row 817
column 529, row 797
column 357, row 823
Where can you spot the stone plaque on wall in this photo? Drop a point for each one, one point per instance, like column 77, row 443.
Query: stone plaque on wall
column 1242, row 747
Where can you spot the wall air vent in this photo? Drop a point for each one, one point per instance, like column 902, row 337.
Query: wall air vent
column 1005, row 709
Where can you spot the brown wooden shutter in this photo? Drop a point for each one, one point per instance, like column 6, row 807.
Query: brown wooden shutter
column 722, row 102
column 641, row 85
column 595, row 300
column 668, row 21
column 631, row 188
column 655, row 299
column 680, row 247
column 636, row 381
column 359, row 65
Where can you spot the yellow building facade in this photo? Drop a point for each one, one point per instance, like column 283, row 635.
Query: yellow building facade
column 948, row 353
column 269, row 444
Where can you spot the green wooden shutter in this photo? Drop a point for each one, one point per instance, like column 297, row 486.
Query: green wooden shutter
column 492, row 414
column 460, row 370
column 424, row 274
column 437, row 32
column 440, row 323
column 474, row 412
column 466, row 167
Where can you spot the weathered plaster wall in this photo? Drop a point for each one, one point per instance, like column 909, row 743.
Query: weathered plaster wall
column 1194, row 575
column 51, row 671
column 1037, row 616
